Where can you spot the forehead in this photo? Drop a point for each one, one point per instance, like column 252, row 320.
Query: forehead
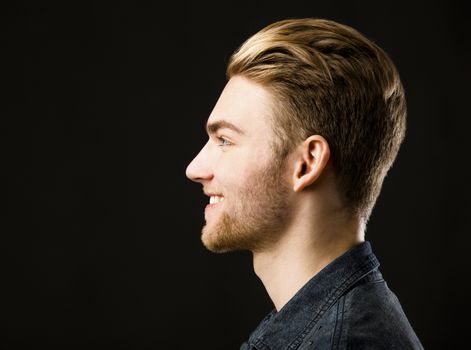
column 245, row 104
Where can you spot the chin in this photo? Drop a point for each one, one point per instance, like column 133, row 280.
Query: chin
column 213, row 241
column 222, row 240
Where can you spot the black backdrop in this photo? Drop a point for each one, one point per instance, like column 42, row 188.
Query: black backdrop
column 103, row 108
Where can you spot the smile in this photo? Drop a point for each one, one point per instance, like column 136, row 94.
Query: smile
column 215, row 199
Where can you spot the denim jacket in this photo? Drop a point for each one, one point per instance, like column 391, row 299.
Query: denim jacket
column 347, row 305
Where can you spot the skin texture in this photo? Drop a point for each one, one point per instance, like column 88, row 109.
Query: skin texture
column 240, row 167
column 287, row 212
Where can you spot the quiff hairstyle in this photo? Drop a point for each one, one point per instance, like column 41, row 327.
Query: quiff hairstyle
column 328, row 79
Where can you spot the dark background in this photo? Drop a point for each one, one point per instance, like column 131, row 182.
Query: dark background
column 104, row 106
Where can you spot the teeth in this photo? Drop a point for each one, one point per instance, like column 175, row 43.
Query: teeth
column 215, row 199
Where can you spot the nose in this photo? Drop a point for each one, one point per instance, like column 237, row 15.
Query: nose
column 199, row 170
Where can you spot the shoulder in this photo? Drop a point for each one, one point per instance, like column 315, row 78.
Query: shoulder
column 367, row 316
column 373, row 318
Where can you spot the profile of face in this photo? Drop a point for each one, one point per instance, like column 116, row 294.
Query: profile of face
column 239, row 170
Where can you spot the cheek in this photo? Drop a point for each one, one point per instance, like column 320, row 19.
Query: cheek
column 235, row 168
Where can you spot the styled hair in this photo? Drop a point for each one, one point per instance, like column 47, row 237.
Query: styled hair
column 330, row 80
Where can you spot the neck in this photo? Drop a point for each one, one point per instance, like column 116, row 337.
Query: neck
column 303, row 251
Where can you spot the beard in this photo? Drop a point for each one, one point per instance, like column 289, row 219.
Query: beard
column 253, row 216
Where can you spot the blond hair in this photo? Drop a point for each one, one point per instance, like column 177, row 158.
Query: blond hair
column 328, row 79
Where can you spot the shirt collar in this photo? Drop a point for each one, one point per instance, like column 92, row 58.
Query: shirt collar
column 288, row 326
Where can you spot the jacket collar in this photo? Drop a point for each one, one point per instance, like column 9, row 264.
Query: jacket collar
column 286, row 329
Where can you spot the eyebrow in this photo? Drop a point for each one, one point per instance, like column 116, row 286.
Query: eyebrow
column 212, row 128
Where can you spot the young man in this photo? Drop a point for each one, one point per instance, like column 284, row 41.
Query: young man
column 300, row 140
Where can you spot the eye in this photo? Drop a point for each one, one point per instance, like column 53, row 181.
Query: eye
column 223, row 141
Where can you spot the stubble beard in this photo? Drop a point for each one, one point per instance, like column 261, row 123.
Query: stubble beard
column 257, row 214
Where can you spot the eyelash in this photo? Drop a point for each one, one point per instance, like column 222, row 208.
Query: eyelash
column 224, row 141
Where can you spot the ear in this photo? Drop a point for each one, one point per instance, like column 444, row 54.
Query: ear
column 313, row 155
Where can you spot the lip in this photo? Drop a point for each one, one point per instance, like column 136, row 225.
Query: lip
column 210, row 194
column 209, row 205
column 210, row 209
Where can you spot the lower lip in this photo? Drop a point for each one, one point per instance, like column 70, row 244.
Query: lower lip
column 210, row 207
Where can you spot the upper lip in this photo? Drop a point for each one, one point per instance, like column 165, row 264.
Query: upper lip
column 210, row 194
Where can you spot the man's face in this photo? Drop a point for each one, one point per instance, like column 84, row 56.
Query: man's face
column 250, row 195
